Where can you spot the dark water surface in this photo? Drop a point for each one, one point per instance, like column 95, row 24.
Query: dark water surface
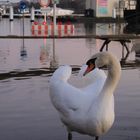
column 26, row 112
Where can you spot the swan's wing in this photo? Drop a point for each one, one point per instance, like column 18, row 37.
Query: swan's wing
column 64, row 96
column 63, row 73
column 67, row 98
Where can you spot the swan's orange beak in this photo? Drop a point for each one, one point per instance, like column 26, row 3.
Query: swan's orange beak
column 89, row 68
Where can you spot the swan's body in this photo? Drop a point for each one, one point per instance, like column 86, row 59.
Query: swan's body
column 88, row 110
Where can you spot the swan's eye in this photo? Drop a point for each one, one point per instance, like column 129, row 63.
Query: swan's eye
column 91, row 61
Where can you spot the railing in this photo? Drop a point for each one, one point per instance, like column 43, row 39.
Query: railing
column 111, row 37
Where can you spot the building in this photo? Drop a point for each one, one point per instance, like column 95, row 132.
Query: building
column 102, row 8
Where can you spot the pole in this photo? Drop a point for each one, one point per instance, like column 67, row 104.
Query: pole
column 11, row 28
column 23, row 27
column 45, row 16
column 32, row 14
column 119, row 16
column 23, row 51
column 54, row 17
column 54, row 31
column 54, row 49
column 11, row 13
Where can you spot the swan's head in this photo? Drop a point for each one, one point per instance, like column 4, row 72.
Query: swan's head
column 98, row 60
column 62, row 73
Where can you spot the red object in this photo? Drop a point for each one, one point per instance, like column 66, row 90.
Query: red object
column 33, row 29
column 46, row 29
column 35, row 23
column 72, row 29
column 44, row 22
column 52, row 29
column 39, row 29
column 65, row 29
column 59, row 28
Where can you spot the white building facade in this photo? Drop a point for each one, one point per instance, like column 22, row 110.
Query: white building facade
column 103, row 8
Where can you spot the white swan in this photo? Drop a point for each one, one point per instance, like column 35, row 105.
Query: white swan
column 89, row 110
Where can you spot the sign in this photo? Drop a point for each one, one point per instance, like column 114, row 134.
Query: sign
column 44, row 3
column 45, row 10
column 22, row 5
column 102, row 6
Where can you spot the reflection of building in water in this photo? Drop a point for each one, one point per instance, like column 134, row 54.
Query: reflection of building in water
column 54, row 63
column 136, row 49
column 54, row 60
column 102, row 29
column 11, row 28
column 23, row 51
column 90, row 29
column 109, row 29
column 3, row 56
column 45, row 53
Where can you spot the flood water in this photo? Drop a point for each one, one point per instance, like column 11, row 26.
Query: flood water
column 26, row 112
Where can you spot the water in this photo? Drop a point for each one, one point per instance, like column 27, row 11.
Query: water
column 26, row 112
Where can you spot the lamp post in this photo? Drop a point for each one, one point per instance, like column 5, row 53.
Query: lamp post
column 54, row 63
column 22, row 7
column 54, row 14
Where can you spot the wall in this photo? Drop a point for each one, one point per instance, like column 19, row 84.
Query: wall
column 102, row 8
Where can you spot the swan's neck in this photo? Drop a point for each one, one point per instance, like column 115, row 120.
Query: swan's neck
column 114, row 72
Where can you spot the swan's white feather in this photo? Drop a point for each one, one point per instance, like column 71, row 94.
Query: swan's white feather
column 90, row 109
column 72, row 102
